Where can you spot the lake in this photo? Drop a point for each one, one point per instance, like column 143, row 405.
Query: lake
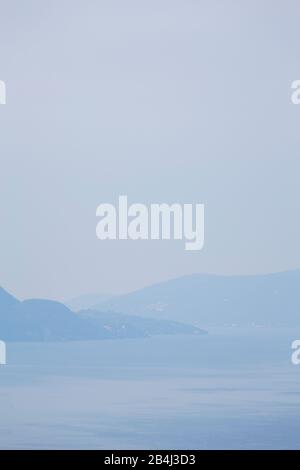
column 231, row 389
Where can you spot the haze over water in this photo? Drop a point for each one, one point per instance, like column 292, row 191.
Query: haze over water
column 234, row 388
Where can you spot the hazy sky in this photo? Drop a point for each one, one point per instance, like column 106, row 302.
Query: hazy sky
column 162, row 100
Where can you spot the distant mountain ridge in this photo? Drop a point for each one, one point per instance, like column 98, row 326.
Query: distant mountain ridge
column 46, row 320
column 184, row 305
column 214, row 300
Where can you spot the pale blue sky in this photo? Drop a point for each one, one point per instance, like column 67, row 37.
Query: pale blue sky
column 162, row 100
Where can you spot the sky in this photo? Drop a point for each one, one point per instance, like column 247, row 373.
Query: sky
column 163, row 101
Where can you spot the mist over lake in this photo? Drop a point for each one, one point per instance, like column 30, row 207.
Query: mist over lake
column 232, row 388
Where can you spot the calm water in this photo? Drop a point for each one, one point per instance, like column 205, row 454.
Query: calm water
column 233, row 388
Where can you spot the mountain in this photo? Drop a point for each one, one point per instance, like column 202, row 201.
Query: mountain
column 6, row 300
column 84, row 302
column 45, row 320
column 41, row 320
column 207, row 300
